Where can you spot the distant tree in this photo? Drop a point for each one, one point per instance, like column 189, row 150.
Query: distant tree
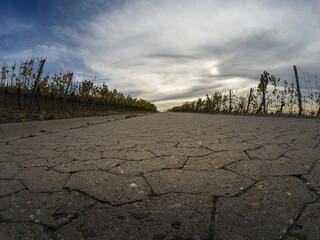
column 262, row 90
column 199, row 104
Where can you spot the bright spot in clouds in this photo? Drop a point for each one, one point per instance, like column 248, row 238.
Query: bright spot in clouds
column 214, row 71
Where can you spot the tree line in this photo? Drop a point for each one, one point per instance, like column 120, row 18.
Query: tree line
column 23, row 87
column 271, row 96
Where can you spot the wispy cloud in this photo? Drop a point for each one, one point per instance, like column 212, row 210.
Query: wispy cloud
column 167, row 50
column 166, row 47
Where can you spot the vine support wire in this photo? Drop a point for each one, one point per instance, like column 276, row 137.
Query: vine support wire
column 310, row 90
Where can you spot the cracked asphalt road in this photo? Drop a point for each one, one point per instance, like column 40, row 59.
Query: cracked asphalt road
column 164, row 176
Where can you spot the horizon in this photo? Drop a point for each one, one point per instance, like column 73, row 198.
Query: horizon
column 166, row 52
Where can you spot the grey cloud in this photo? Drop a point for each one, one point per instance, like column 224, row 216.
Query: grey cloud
column 172, row 56
column 162, row 45
column 165, row 50
column 208, row 86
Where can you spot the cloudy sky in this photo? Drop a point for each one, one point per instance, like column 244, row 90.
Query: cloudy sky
column 166, row 51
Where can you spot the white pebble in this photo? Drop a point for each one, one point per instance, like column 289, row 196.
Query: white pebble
column 176, row 205
column 133, row 185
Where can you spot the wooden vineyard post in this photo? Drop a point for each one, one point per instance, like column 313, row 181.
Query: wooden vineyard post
column 38, row 97
column 230, row 101
column 264, row 98
column 298, row 89
column 36, row 82
column 19, row 99
column 5, row 91
column 249, row 99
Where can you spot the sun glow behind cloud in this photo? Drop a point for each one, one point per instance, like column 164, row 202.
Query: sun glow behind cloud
column 214, row 71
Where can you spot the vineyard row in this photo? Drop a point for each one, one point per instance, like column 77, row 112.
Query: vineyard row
column 23, row 88
column 282, row 98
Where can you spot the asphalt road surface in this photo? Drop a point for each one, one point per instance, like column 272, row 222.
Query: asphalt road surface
column 162, row 176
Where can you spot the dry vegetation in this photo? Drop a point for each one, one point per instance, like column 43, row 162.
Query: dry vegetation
column 27, row 95
column 279, row 98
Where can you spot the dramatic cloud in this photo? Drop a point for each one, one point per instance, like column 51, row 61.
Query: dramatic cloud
column 170, row 51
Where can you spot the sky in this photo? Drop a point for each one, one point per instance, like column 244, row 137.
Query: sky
column 167, row 51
